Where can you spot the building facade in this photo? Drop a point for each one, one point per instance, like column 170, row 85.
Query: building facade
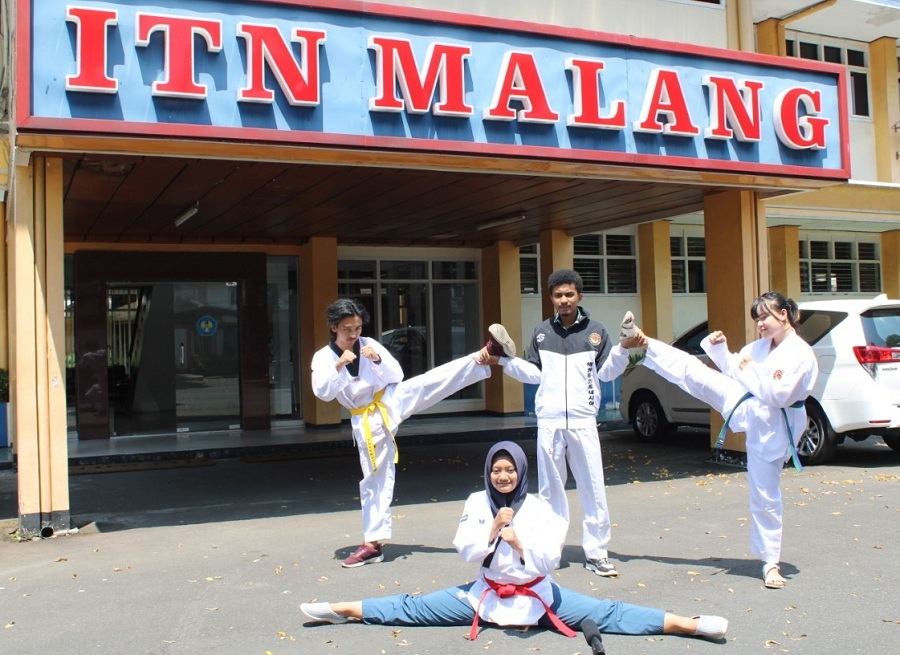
column 189, row 185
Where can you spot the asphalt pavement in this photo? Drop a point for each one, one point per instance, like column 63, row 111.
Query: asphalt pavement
column 216, row 556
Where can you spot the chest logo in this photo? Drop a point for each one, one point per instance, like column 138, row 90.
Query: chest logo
column 595, row 339
column 540, row 338
column 777, row 374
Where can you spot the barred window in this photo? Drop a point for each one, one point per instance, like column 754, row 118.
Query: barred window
column 688, row 264
column 840, row 265
column 606, row 262
column 529, row 270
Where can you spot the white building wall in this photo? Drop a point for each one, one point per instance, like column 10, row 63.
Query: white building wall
column 673, row 20
column 862, row 150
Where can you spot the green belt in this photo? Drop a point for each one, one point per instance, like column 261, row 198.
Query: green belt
column 720, row 441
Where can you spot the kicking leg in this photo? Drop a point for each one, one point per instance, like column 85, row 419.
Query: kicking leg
column 693, row 376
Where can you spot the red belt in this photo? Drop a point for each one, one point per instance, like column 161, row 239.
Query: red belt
column 507, row 590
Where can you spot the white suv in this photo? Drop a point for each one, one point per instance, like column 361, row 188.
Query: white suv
column 857, row 392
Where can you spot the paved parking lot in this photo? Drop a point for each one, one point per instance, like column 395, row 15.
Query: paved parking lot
column 217, row 558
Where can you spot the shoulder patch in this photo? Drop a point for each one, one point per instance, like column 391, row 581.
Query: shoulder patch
column 595, row 339
column 777, row 374
column 540, row 337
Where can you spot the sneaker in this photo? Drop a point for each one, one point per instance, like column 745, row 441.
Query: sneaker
column 500, row 344
column 627, row 330
column 602, row 567
column 365, row 554
column 322, row 613
column 711, row 627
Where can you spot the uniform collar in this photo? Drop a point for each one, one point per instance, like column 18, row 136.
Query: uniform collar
column 580, row 315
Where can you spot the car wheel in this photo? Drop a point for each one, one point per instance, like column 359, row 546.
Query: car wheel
column 647, row 417
column 892, row 440
column 817, row 445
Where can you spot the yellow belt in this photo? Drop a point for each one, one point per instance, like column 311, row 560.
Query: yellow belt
column 375, row 406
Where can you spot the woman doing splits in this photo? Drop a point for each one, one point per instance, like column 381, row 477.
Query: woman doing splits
column 759, row 391
column 518, row 541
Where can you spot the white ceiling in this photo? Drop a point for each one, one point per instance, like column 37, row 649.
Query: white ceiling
column 860, row 20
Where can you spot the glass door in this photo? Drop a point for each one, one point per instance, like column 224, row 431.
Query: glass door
column 207, row 379
column 173, row 358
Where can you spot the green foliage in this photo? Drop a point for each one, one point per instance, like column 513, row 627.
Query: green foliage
column 635, row 357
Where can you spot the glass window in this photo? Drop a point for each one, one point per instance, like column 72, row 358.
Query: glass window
column 620, row 244
column 809, row 50
column 622, row 276
column 591, row 271
column 357, row 270
column 845, row 265
column 454, row 270
column 870, row 278
column 606, row 262
column 284, row 369
column 843, row 250
column 404, row 270
column 867, row 251
column 832, row 54
column 425, row 313
column 839, row 52
column 859, row 83
column 818, row 249
column 529, row 270
column 856, row 58
column 589, row 244
column 676, row 247
column 688, row 264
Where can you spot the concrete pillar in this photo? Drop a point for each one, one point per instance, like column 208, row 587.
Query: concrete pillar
column 501, row 299
column 885, row 108
column 655, row 277
column 770, row 37
column 318, row 288
column 37, row 347
column 784, row 253
column 736, row 272
column 557, row 251
column 890, row 263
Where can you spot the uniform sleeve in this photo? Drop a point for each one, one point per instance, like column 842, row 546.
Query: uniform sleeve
column 474, row 529
column 388, row 371
column 327, row 381
column 615, row 364
column 528, row 370
column 725, row 360
column 790, row 382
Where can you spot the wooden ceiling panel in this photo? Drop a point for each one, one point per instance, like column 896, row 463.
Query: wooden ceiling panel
column 136, row 199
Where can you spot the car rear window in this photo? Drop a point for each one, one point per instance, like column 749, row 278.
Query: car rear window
column 882, row 327
column 815, row 324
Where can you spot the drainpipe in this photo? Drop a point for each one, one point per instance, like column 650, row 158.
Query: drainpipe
column 797, row 15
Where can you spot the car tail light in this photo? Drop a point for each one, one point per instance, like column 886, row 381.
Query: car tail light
column 875, row 354
column 869, row 356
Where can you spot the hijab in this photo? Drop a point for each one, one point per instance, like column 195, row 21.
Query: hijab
column 515, row 453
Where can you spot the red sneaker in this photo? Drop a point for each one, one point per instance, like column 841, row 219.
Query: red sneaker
column 499, row 343
column 365, row 554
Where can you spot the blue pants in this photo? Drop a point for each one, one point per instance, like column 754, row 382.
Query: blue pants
column 451, row 607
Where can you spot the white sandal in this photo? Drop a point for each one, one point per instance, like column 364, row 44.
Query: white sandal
column 772, row 576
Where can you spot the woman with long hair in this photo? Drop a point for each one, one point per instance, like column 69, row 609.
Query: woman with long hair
column 759, row 391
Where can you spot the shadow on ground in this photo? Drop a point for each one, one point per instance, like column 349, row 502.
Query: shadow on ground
column 235, row 489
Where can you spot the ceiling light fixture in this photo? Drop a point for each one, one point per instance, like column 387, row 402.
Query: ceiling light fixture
column 502, row 221
column 187, row 214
